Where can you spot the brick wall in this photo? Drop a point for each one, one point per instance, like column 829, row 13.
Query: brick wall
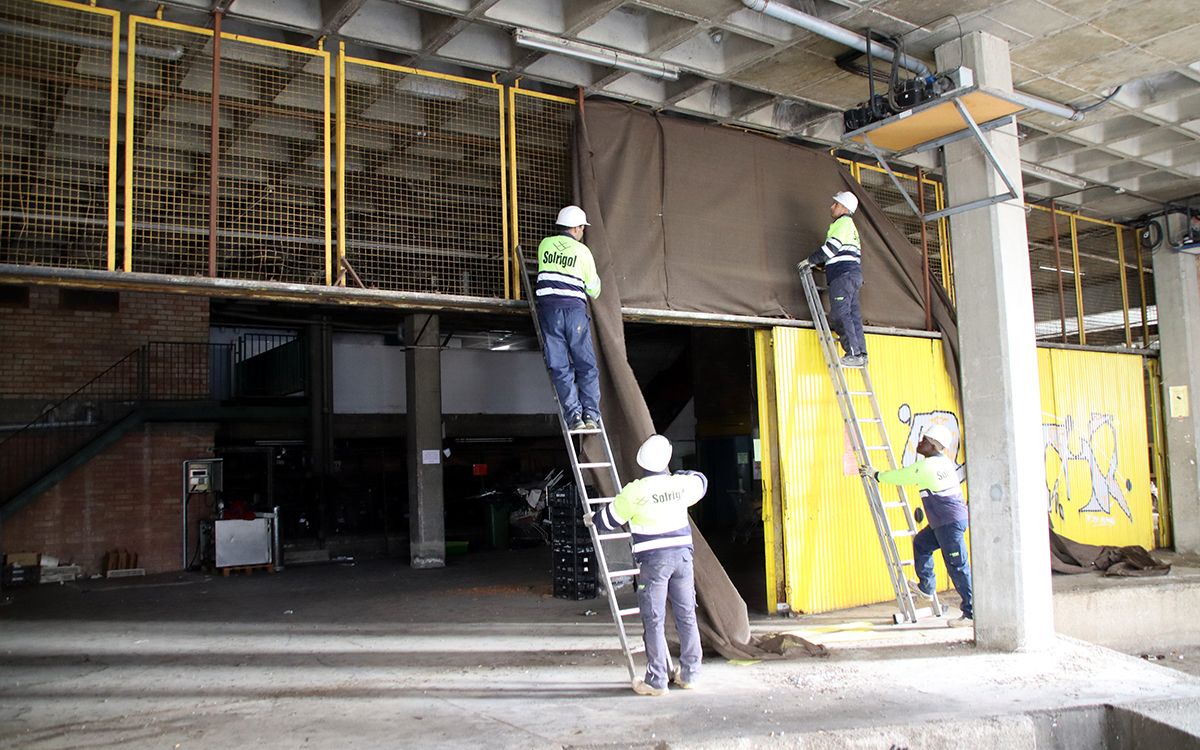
column 47, row 350
column 127, row 497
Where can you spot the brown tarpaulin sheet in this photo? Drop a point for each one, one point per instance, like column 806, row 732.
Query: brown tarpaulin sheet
column 1070, row 556
column 687, row 216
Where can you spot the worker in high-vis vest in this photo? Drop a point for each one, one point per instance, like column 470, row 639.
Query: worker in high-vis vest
column 841, row 255
column 566, row 279
column 936, row 475
column 656, row 509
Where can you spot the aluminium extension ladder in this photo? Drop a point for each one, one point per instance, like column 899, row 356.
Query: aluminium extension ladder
column 620, row 546
column 882, row 511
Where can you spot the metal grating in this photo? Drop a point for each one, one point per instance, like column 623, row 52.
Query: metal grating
column 273, row 158
column 57, row 133
column 929, row 197
column 423, row 205
column 1102, row 283
column 541, row 129
column 1051, row 273
column 274, row 162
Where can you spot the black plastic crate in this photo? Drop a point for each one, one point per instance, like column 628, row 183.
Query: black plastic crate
column 574, row 589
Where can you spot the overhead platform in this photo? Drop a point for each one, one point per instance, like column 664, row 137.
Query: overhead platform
column 964, row 113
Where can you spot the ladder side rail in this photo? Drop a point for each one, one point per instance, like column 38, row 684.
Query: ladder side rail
column 581, row 491
column 849, row 417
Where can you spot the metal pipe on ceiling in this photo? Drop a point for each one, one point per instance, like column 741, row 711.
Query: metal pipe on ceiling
column 856, row 41
column 61, row 36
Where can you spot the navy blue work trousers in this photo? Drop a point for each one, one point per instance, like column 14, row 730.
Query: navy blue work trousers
column 571, row 358
column 845, row 318
column 951, row 540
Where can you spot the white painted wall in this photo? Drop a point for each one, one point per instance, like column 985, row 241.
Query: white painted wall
column 369, row 378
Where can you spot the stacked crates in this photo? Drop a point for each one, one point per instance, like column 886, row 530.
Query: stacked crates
column 574, row 553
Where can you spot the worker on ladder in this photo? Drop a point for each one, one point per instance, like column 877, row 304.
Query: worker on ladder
column 566, row 279
column 656, row 509
column 841, row 255
column 937, row 476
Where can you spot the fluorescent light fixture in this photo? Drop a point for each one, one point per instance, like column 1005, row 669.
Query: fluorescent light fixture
column 594, row 53
column 1053, row 175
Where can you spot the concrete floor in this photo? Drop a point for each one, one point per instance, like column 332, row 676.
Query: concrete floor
column 379, row 655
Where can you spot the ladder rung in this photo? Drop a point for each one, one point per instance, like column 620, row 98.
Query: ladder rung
column 906, row 562
column 897, row 504
column 903, row 532
column 623, row 573
column 599, row 500
column 637, row 648
column 597, row 465
column 858, row 393
column 876, row 447
column 586, row 431
column 628, row 612
column 616, row 535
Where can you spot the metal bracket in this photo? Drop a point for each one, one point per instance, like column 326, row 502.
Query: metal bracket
column 973, row 131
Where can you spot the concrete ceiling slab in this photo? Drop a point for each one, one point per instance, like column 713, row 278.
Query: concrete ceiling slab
column 1178, row 46
column 788, row 72
column 1049, row 54
column 1111, row 70
column 1032, row 17
column 1134, row 24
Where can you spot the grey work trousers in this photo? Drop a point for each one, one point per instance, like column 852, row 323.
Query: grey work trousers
column 667, row 574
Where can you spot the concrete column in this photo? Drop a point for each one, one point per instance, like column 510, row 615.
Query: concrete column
column 423, row 367
column 1177, row 295
column 1010, row 553
column 320, row 421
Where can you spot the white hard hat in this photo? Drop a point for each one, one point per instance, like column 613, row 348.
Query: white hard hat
column 940, row 434
column 655, row 453
column 572, row 216
column 847, row 199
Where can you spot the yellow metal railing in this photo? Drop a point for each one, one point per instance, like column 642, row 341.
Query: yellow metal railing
column 422, row 194
column 540, row 129
column 58, row 118
column 273, row 159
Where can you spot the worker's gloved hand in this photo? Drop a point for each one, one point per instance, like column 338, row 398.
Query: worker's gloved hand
column 803, row 266
column 587, row 521
column 867, row 471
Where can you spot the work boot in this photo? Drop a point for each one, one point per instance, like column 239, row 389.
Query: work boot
column 915, row 589
column 590, row 422
column 678, row 681
column 641, row 687
column 854, row 360
column 962, row 622
column 576, row 423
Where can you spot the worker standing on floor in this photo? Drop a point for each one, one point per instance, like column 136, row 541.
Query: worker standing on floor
column 841, row 255
column 566, row 279
column 937, row 476
column 656, row 509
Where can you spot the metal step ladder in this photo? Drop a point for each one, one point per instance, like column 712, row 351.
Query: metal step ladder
column 616, row 546
column 868, row 436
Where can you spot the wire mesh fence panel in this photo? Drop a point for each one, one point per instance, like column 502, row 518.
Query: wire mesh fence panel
column 542, row 128
column 273, row 162
column 877, row 184
column 1139, row 281
column 1051, row 274
column 1101, row 280
column 424, row 189
column 57, row 84
column 168, row 142
column 272, row 158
